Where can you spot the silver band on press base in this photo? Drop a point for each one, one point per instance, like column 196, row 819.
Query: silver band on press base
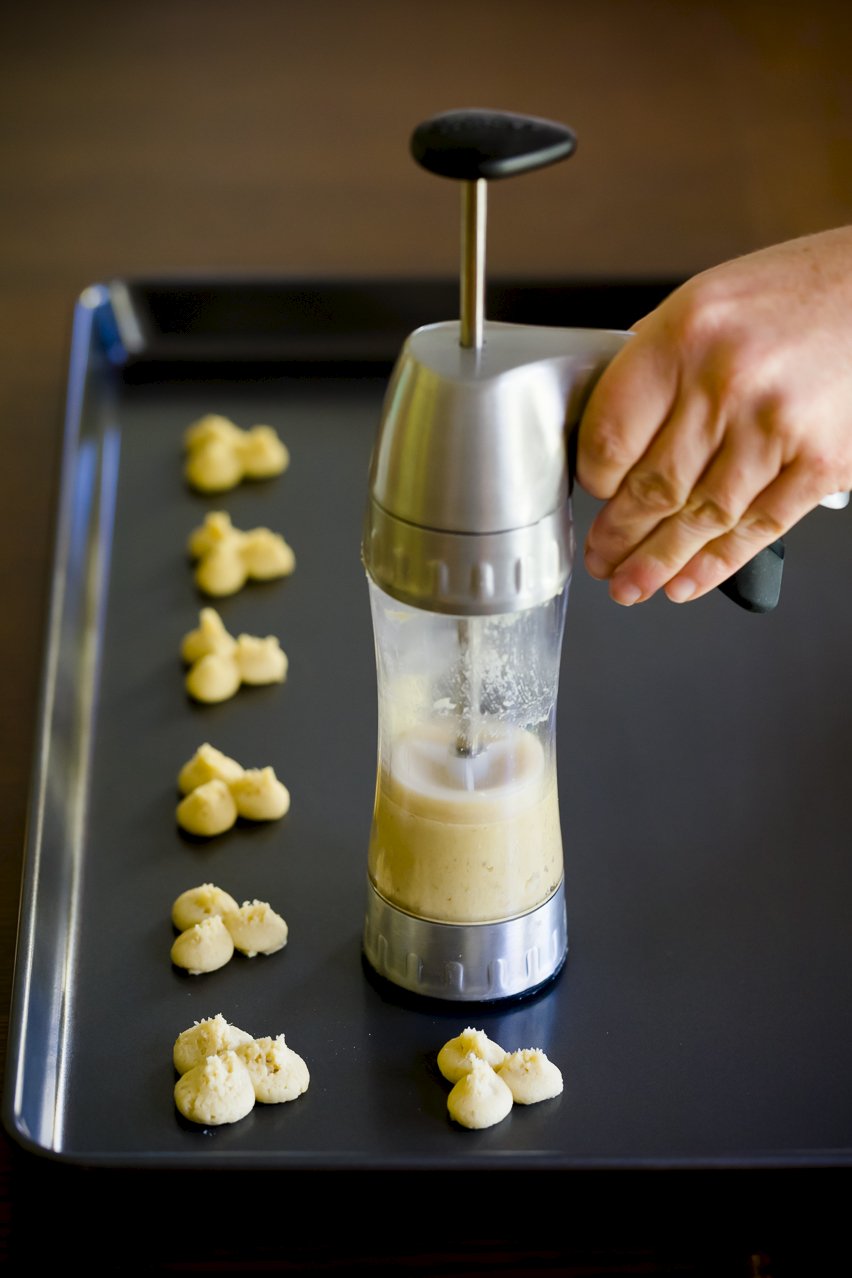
column 466, row 962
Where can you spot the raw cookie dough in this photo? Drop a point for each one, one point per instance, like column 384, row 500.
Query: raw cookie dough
column 204, row 947
column 260, row 796
column 530, row 1076
column 228, row 558
column 207, row 810
column 220, row 663
column 208, row 764
column 217, row 1091
column 215, row 1059
column 220, row 454
column 480, row 1098
column 277, row 1073
column 454, row 1057
column 206, row 1038
column 255, row 928
column 210, row 637
column 217, row 790
column 260, row 660
column 199, row 903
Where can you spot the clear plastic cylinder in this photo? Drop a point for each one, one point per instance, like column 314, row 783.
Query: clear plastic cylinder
column 466, row 825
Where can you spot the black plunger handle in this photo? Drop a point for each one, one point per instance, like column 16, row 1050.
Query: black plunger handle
column 468, row 145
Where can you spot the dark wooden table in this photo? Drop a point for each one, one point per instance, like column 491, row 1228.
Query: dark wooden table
column 271, row 138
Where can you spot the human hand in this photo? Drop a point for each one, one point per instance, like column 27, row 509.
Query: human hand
column 722, row 421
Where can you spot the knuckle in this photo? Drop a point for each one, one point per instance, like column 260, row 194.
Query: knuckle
column 763, row 524
column 654, row 490
column 603, row 447
column 708, row 514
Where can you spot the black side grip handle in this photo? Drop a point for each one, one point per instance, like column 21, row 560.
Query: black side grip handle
column 468, row 145
column 757, row 585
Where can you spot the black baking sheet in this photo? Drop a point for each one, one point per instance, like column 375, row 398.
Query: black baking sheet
column 704, row 1017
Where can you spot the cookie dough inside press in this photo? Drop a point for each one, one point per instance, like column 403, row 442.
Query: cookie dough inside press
column 217, row 1091
column 480, row 1098
column 454, row 1057
column 204, row 947
column 278, row 1074
column 206, row 1038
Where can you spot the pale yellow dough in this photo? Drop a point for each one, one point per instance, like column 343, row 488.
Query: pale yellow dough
column 219, row 1064
column 255, row 928
column 209, row 637
column 455, row 1056
column 259, row 795
column 208, row 764
column 480, row 1098
column 217, row 1091
column 260, row 660
column 204, row 947
column 207, row 810
column 199, row 903
column 220, row 454
column 530, row 1076
column 206, row 1038
column 277, row 1073
column 219, row 664
column 217, row 790
column 228, row 558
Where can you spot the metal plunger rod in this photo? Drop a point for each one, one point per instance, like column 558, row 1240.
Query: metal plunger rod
column 473, row 211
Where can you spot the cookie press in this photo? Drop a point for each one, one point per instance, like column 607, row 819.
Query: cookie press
column 468, row 546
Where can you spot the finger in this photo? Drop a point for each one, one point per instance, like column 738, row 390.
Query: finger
column 657, row 487
column 746, row 464
column 632, row 398
column 770, row 516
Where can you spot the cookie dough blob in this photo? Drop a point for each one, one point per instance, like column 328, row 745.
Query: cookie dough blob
column 277, row 1072
column 262, row 453
column 217, row 1091
column 209, row 638
column 455, row 1056
column 260, row 660
column 208, row 764
column 213, row 679
column 213, row 467
column 205, row 947
column 480, row 1098
column 222, row 570
column 212, row 427
column 266, row 554
column 199, row 903
column 216, row 529
column 259, row 795
column 530, row 1076
column 206, row 1038
column 255, row 928
column 207, row 810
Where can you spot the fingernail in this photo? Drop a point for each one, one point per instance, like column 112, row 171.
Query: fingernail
column 596, row 565
column 625, row 592
column 681, row 589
